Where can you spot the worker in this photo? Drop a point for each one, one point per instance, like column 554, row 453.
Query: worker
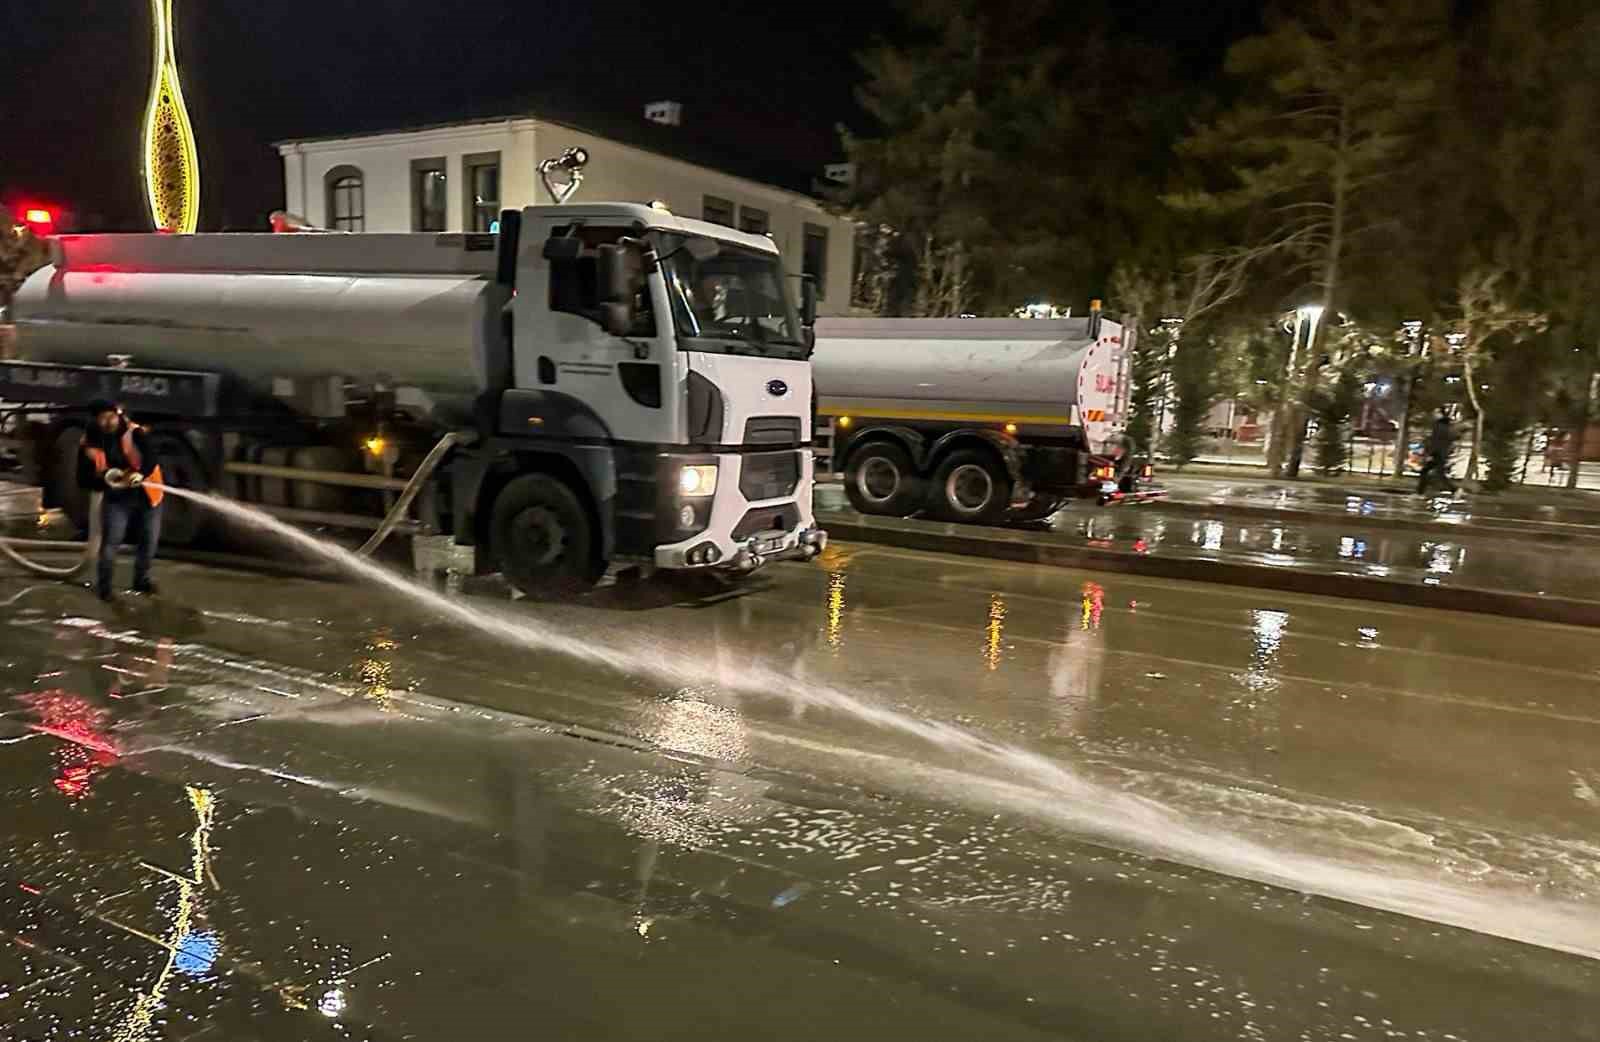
column 1441, row 443
column 116, row 459
column 1119, row 449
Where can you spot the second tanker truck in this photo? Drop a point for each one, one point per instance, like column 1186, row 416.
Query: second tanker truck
column 616, row 383
column 975, row 420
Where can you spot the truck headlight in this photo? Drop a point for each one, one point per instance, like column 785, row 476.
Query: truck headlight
column 698, row 480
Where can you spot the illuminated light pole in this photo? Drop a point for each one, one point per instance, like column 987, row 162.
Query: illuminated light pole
column 171, row 167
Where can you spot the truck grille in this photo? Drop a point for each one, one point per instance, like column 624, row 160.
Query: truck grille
column 769, row 475
column 772, row 430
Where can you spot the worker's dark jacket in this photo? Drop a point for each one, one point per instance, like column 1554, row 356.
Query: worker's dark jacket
column 105, row 452
column 1442, row 439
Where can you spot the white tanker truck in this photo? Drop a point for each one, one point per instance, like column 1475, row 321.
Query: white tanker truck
column 974, row 420
column 621, row 384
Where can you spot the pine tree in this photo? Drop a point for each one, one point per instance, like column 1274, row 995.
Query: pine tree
column 1009, row 168
column 1335, row 95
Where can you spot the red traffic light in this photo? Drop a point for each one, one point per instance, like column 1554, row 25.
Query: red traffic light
column 39, row 220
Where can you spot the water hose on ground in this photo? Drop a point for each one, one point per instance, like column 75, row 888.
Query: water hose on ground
column 11, row 548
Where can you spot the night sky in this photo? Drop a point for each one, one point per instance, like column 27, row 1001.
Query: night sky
column 776, row 76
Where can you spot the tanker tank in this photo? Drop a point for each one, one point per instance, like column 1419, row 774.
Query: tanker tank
column 412, row 312
column 1023, row 371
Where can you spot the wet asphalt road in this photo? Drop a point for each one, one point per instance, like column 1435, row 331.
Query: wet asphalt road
column 277, row 809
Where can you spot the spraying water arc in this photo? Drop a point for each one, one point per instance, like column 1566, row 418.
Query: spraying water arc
column 1032, row 783
column 1028, row 782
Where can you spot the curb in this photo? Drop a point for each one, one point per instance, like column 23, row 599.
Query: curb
column 1016, row 548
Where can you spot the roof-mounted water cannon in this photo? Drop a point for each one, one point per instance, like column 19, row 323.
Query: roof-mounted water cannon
column 1094, row 320
column 569, row 164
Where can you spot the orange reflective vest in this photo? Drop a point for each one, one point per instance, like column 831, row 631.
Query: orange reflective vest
column 130, row 452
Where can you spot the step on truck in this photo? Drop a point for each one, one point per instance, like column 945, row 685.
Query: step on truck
column 618, row 384
column 975, row 421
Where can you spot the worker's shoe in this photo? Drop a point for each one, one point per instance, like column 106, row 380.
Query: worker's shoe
column 145, row 586
column 105, row 594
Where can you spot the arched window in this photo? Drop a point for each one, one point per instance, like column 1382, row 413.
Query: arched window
column 347, row 200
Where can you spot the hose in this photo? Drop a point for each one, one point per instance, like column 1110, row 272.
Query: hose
column 91, row 549
column 397, row 512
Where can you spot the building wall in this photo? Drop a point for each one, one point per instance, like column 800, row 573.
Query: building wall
column 616, row 172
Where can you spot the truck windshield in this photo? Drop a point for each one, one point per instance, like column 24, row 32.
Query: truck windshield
column 733, row 303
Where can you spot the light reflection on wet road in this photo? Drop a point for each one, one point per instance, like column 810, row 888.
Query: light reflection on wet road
column 269, row 809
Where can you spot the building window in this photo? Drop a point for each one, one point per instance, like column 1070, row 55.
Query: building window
column 718, row 211
column 482, row 204
column 754, row 221
column 347, row 200
column 427, row 195
column 814, row 261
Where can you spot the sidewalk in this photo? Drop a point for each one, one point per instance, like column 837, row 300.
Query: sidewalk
column 1540, row 482
column 1331, row 554
column 1569, row 520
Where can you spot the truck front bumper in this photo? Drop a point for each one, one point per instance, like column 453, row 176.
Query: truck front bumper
column 745, row 533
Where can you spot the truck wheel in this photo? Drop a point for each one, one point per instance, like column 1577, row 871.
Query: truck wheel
column 183, row 522
column 880, row 479
column 970, row 486
column 61, row 477
column 543, row 539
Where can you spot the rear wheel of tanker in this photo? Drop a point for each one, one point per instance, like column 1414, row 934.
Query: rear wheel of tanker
column 880, row 479
column 970, row 486
column 183, row 522
column 543, row 539
column 61, row 477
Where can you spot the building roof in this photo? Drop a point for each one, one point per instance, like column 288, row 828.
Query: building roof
column 685, row 142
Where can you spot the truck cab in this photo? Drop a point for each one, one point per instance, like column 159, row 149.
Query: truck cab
column 664, row 358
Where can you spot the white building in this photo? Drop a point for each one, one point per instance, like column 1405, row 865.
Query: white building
column 459, row 176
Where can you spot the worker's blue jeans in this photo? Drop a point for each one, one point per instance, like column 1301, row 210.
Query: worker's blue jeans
column 117, row 516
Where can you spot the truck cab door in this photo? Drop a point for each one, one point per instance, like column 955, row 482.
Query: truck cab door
column 563, row 350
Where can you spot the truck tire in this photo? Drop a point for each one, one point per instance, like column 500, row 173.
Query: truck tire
column 543, row 539
column 60, row 477
column 880, row 479
column 970, row 486
column 183, row 523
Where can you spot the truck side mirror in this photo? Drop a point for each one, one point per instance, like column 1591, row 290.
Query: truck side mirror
column 808, row 300
column 612, row 278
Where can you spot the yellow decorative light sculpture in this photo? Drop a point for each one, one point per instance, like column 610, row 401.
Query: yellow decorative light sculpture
column 171, row 167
